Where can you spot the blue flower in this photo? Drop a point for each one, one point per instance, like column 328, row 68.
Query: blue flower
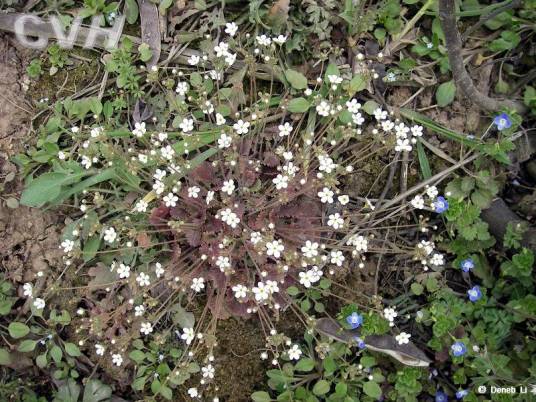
column 461, row 393
column 474, row 293
column 441, row 205
column 458, row 349
column 467, row 265
column 355, row 320
column 441, row 397
column 502, row 121
column 360, row 342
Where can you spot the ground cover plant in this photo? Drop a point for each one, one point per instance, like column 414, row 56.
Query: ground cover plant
column 272, row 201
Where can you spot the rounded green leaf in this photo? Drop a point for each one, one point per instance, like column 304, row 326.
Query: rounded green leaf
column 27, row 345
column 261, row 396
column 296, row 79
column 72, row 349
column 5, row 357
column 298, row 105
column 372, row 389
column 321, row 387
column 18, row 330
column 305, row 364
column 445, row 93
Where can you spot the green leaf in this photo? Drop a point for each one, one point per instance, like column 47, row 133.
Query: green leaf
column 145, row 52
column 423, row 161
column 72, row 349
column 56, row 353
column 321, row 387
column 305, row 364
column 137, row 355
column 27, row 345
column 417, row 288
column 296, row 79
column 445, row 93
column 5, row 357
column 68, row 392
column 370, row 106
column 91, row 247
column 358, row 83
column 260, row 396
column 298, row 105
column 43, row 189
column 372, row 389
column 18, row 330
column 166, row 392
column 131, row 11
column 96, row 391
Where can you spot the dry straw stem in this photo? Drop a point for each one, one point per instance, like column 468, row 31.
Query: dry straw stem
column 461, row 77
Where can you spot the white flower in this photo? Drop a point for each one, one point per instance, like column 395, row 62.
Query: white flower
column 231, row 28
column 326, row 164
column 285, row 129
column 194, row 60
column 159, row 270
column 255, row 237
column 280, row 182
column 193, row 192
column 123, row 271
column 159, row 187
column 390, row 314
column 99, row 349
column 230, row 58
column 263, row 40
column 229, row 217
column 39, row 303
column 359, row 242
column 280, row 39
column 417, row 202
column 220, row 120
column 343, row 199
column 187, row 125
column 437, row 259
column 188, row 335
column 208, row 107
column 208, row 371
column 143, row 158
column 223, row 262
column 401, row 130
column 432, row 192
column 261, row 292
column 306, row 278
column 272, row 286
column 336, row 257
column 221, row 49
column 159, row 174
column 403, row 145
column 170, row 200
column 117, row 359
column 67, row 245
column 241, row 127
column 387, row 125
column 335, row 221
column 323, row 108
column 310, row 249
column 193, row 392
column 416, row 131
column 353, row 106
column 146, row 328
column 86, row 162
column 182, row 88
column 61, row 155
column 402, row 338
column 139, row 310
column 198, row 284
column 240, row 291
column 334, row 79
column 28, row 289
column 215, row 75
column 326, row 195
column 110, row 235
column 228, row 186
column 224, row 141
column 167, row 152
column 143, row 279
column 141, row 206
column 358, row 119
column 294, row 352
column 139, row 129
column 210, row 196
column 275, row 248
column 380, row 114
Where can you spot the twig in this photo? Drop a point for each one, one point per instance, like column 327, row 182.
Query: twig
column 461, row 77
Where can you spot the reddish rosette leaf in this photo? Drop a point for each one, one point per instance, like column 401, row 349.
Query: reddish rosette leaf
column 159, row 216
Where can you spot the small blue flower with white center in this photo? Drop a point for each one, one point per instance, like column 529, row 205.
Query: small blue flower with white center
column 458, row 349
column 441, row 205
column 461, row 393
column 467, row 265
column 355, row 320
column 502, row 121
column 474, row 293
column 360, row 342
column 441, row 397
